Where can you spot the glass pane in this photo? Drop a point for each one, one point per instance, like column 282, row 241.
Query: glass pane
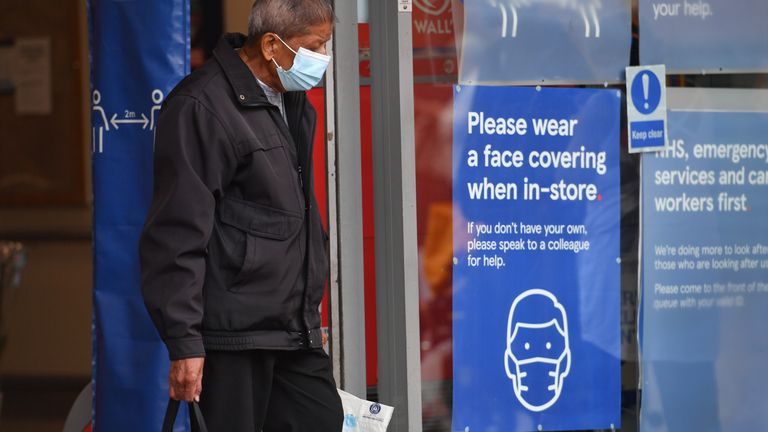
column 437, row 41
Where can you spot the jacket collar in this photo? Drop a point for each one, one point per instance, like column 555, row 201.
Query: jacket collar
column 247, row 90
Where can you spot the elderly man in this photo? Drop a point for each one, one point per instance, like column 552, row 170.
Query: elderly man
column 233, row 253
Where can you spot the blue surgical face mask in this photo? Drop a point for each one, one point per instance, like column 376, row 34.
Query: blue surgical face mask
column 307, row 70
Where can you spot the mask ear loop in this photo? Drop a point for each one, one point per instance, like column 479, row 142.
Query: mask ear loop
column 277, row 65
column 287, row 46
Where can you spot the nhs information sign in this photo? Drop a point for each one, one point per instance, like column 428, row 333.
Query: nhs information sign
column 695, row 36
column 704, row 343
column 536, row 276
column 552, row 41
column 647, row 108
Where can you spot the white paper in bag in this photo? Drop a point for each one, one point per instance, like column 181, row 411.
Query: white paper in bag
column 361, row 415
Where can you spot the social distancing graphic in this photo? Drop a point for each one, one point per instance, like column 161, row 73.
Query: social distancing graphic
column 103, row 123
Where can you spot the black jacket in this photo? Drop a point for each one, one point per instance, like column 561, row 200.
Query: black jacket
column 233, row 252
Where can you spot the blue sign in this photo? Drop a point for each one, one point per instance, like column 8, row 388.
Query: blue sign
column 705, row 274
column 646, row 92
column 139, row 51
column 536, row 244
column 555, row 41
column 646, row 108
column 692, row 36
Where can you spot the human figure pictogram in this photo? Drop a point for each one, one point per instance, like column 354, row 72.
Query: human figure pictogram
column 100, row 128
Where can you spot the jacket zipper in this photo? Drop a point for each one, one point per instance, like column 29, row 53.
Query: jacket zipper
column 307, row 224
column 307, row 216
column 301, row 181
column 289, row 139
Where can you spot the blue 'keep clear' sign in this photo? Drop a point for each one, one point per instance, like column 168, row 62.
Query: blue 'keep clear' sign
column 536, row 243
column 647, row 108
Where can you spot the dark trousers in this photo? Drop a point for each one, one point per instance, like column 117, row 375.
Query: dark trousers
column 270, row 391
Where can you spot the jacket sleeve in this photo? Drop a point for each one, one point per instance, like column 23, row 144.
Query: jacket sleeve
column 193, row 161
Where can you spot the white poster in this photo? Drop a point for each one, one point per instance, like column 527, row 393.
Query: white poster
column 31, row 67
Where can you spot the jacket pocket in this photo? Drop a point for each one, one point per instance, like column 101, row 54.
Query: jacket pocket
column 264, row 143
column 270, row 241
column 269, row 172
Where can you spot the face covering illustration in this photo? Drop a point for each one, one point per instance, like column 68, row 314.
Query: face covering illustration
column 537, row 358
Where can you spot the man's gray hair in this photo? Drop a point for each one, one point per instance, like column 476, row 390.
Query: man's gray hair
column 287, row 18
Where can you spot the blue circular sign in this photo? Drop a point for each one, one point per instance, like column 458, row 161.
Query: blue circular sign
column 375, row 408
column 646, row 92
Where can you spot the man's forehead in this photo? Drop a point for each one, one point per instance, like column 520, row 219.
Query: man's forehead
column 317, row 33
column 316, row 38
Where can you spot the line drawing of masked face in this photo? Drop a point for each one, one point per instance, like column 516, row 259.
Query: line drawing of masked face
column 537, row 357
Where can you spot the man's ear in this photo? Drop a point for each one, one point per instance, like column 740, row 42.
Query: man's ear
column 267, row 45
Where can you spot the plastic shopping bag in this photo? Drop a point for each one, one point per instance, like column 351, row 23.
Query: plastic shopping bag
column 361, row 415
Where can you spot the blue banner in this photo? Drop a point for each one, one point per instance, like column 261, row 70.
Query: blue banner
column 704, row 35
column 704, row 343
column 139, row 51
column 556, row 41
column 536, row 278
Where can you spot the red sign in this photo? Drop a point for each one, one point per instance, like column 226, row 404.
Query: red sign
column 433, row 24
column 434, row 38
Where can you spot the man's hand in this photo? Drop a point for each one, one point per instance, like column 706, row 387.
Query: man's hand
column 186, row 379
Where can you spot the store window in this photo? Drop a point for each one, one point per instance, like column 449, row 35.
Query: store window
column 561, row 64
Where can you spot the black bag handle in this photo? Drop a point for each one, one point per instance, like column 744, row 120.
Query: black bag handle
column 196, row 420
